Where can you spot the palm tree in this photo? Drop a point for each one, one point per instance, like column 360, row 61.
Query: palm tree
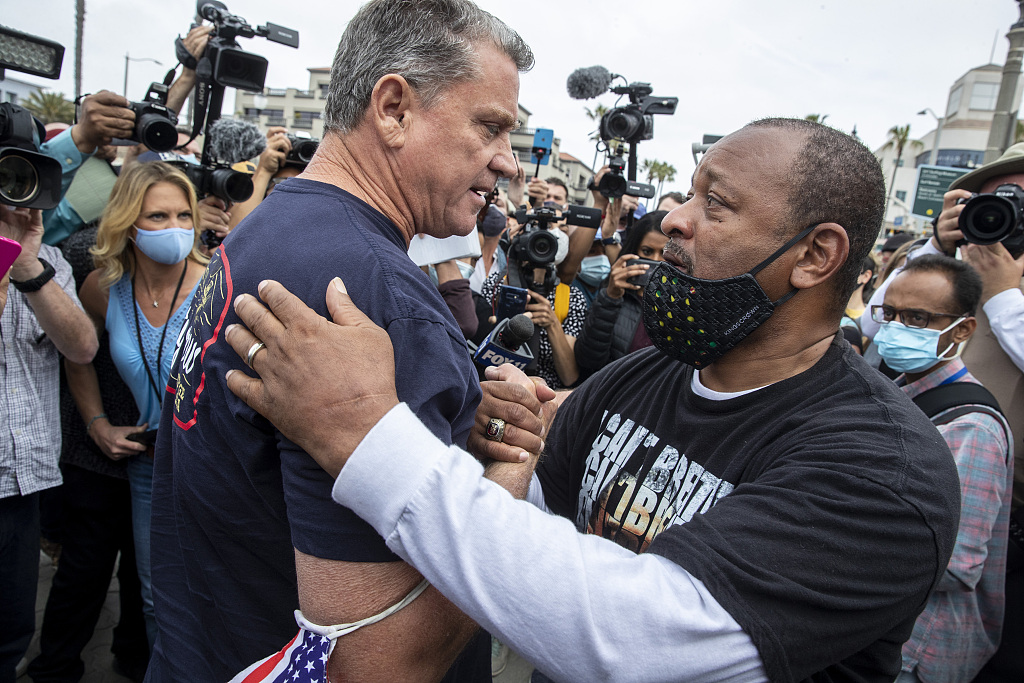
column 1019, row 133
column 649, row 167
column 899, row 139
column 596, row 114
column 666, row 174
column 50, row 107
column 816, row 118
column 79, row 31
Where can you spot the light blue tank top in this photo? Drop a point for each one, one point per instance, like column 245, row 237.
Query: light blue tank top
column 124, row 347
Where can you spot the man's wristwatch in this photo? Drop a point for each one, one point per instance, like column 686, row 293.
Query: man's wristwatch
column 36, row 283
column 614, row 239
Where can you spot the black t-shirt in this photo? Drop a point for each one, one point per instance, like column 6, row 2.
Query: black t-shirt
column 819, row 511
column 231, row 495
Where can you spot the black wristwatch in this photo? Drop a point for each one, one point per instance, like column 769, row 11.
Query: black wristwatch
column 614, row 239
column 36, row 283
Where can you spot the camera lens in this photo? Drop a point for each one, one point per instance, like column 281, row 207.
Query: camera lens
column 234, row 185
column 156, row 132
column 19, row 181
column 541, row 247
column 305, row 150
column 623, row 124
column 987, row 219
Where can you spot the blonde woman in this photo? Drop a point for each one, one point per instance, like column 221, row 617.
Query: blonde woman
column 148, row 264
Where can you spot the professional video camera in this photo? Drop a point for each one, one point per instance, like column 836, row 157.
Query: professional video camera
column 224, row 62
column 614, row 184
column 154, row 122
column 27, row 177
column 531, row 255
column 995, row 217
column 635, row 121
column 302, row 150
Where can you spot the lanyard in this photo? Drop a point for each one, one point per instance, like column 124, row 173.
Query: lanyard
column 958, row 375
column 163, row 335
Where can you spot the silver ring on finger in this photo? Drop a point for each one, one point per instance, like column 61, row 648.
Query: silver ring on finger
column 253, row 350
column 495, row 429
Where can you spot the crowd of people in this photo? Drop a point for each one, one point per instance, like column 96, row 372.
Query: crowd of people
column 752, row 445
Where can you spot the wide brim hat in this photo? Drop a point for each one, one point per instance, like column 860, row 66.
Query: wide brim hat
column 1012, row 161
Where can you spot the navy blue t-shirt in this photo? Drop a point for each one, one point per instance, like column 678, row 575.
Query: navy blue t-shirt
column 232, row 496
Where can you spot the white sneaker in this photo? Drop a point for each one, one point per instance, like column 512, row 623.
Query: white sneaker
column 499, row 656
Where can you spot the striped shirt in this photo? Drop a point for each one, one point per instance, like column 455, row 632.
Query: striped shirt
column 30, row 434
column 961, row 624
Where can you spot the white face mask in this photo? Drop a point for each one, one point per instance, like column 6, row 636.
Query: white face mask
column 563, row 245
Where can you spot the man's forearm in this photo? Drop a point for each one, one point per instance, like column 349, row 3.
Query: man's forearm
column 64, row 322
column 528, row 577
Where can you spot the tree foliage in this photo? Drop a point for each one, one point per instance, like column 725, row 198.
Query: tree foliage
column 50, row 107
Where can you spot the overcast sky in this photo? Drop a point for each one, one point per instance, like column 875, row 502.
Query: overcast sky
column 866, row 63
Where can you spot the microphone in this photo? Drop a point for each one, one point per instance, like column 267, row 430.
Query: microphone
column 233, row 140
column 588, row 82
column 507, row 344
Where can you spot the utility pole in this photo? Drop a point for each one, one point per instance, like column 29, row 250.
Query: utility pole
column 1004, row 122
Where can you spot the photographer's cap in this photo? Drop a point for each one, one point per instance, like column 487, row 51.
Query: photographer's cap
column 1012, row 161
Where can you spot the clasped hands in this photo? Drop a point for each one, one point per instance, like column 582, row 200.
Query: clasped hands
column 325, row 384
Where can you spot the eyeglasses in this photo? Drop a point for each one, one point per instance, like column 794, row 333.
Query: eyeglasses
column 911, row 317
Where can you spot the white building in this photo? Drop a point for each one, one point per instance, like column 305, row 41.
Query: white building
column 14, row 91
column 961, row 142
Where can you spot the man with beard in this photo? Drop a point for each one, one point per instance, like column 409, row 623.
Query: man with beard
column 784, row 509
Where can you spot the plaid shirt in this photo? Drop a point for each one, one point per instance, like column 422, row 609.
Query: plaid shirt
column 29, row 400
column 961, row 624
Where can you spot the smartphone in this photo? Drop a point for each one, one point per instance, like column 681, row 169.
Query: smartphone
column 9, row 251
column 146, row 438
column 511, row 301
column 642, row 278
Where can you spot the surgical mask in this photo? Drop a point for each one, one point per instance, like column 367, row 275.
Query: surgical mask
column 913, row 349
column 563, row 245
column 189, row 158
column 595, row 269
column 698, row 321
column 167, row 246
column 465, row 270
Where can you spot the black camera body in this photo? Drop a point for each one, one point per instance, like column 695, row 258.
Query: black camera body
column 531, row 254
column 302, row 151
column 155, row 124
column 635, row 121
column 995, row 217
column 27, row 177
column 614, row 184
column 224, row 63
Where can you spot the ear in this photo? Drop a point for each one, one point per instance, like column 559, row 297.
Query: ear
column 390, row 104
column 964, row 330
column 820, row 255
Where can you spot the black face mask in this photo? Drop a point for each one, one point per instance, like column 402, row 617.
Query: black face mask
column 698, row 321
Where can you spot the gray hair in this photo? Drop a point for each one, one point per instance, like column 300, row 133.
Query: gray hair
column 430, row 43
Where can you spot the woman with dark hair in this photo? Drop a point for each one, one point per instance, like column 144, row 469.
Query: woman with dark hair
column 614, row 324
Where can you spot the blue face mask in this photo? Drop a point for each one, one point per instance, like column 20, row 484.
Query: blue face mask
column 167, row 246
column 912, row 349
column 594, row 269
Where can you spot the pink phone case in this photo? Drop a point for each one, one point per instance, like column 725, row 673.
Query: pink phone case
column 9, row 250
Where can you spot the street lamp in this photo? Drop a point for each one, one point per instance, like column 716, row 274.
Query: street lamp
column 938, row 134
column 134, row 59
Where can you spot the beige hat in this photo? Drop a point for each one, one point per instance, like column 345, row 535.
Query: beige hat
column 1012, row 161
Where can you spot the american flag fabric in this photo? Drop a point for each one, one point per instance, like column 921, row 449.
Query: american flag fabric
column 303, row 660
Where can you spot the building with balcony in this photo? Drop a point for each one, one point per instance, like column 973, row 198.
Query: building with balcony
column 962, row 136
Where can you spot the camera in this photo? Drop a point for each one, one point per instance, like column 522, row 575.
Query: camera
column 531, row 254
column 614, row 184
column 220, row 180
column 635, row 121
column 154, row 122
column 995, row 217
column 27, row 177
column 224, row 63
column 302, row 150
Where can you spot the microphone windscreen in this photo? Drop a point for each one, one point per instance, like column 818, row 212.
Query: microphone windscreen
column 588, row 82
column 233, row 140
column 518, row 332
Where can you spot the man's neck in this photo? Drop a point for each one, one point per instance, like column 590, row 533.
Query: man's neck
column 755, row 366
column 915, row 376
column 348, row 162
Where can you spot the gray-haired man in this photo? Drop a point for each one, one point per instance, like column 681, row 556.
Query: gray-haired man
column 422, row 99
